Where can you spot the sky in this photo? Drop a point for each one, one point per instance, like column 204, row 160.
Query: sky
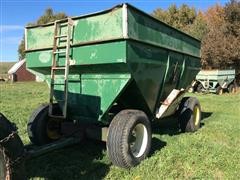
column 15, row 14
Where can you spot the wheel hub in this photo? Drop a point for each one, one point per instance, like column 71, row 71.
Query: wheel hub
column 4, row 171
column 2, row 166
column 196, row 114
column 138, row 140
column 53, row 127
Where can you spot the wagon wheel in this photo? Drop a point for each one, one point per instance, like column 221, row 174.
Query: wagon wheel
column 199, row 88
column 43, row 129
column 190, row 114
column 11, row 152
column 219, row 90
column 129, row 138
column 231, row 88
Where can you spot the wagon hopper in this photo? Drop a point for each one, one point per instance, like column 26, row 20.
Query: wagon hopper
column 215, row 81
column 110, row 75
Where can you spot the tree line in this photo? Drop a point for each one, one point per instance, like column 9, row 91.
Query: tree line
column 218, row 28
column 48, row 16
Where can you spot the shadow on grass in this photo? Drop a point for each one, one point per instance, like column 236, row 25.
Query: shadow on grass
column 88, row 159
column 205, row 115
column 157, row 145
column 83, row 161
column 170, row 125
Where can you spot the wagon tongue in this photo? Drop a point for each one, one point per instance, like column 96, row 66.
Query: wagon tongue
column 35, row 152
column 11, row 151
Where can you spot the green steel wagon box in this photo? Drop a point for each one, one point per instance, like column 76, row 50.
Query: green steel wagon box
column 215, row 80
column 111, row 74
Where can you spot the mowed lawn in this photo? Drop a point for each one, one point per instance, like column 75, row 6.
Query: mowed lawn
column 213, row 152
column 4, row 67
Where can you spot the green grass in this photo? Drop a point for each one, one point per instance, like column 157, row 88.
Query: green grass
column 4, row 67
column 213, row 152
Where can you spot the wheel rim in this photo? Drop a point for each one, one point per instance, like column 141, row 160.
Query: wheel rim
column 2, row 166
column 138, row 140
column 221, row 91
column 196, row 114
column 4, row 174
column 53, row 129
column 232, row 89
column 190, row 90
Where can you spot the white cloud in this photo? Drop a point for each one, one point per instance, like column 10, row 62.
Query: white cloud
column 4, row 28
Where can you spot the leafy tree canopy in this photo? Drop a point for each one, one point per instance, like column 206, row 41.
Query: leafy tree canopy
column 218, row 28
column 184, row 18
column 221, row 46
column 48, row 16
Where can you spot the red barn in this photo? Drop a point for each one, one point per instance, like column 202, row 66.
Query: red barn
column 18, row 72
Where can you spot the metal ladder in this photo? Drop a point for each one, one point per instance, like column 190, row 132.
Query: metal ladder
column 55, row 67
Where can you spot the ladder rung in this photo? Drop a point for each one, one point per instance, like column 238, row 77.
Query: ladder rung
column 64, row 50
column 59, row 52
column 71, row 23
column 66, row 39
column 57, row 83
column 57, row 116
column 63, row 24
column 60, row 100
column 62, row 40
column 60, row 36
column 58, row 68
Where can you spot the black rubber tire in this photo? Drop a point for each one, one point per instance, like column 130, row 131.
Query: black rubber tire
column 219, row 90
column 199, row 88
column 38, row 123
column 120, row 129
column 11, row 151
column 186, row 117
column 232, row 88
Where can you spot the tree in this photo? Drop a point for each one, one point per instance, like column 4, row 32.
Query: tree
column 47, row 17
column 199, row 28
column 21, row 49
column 218, row 28
column 184, row 18
column 214, row 17
column 232, row 17
column 178, row 17
column 214, row 42
column 221, row 47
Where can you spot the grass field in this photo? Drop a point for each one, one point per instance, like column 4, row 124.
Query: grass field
column 4, row 67
column 213, row 152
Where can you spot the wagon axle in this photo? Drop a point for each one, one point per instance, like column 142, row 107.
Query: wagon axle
column 128, row 138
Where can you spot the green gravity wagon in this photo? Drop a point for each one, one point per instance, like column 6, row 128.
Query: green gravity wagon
column 216, row 81
column 110, row 75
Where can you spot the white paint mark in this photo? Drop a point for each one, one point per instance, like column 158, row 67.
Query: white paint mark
column 119, row 60
column 44, row 57
column 93, row 55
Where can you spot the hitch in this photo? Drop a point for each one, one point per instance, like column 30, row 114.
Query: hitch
column 13, row 153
